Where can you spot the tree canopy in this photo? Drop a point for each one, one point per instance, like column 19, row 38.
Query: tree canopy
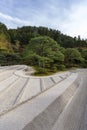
column 73, row 56
column 43, row 51
column 41, row 46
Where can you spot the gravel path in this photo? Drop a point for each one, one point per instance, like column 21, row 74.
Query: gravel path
column 74, row 117
column 57, row 102
column 19, row 117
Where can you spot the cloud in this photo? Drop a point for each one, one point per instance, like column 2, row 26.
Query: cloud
column 14, row 19
column 76, row 22
column 38, row 12
column 30, row 12
column 68, row 16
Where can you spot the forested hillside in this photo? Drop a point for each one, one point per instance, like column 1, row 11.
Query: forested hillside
column 24, row 35
column 7, row 54
column 46, row 49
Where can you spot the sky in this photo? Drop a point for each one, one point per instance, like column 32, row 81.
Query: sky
column 67, row 16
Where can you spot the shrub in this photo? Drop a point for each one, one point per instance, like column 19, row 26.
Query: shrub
column 61, row 67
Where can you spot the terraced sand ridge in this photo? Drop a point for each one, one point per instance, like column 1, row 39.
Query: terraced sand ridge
column 17, row 88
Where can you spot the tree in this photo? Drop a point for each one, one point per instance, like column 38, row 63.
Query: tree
column 3, row 28
column 43, row 52
column 84, row 54
column 72, row 56
column 9, row 58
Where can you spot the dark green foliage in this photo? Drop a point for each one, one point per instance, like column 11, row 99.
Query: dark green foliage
column 9, row 59
column 61, row 67
column 25, row 34
column 3, row 28
column 47, row 49
column 72, row 57
column 84, row 54
column 41, row 71
column 43, row 52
